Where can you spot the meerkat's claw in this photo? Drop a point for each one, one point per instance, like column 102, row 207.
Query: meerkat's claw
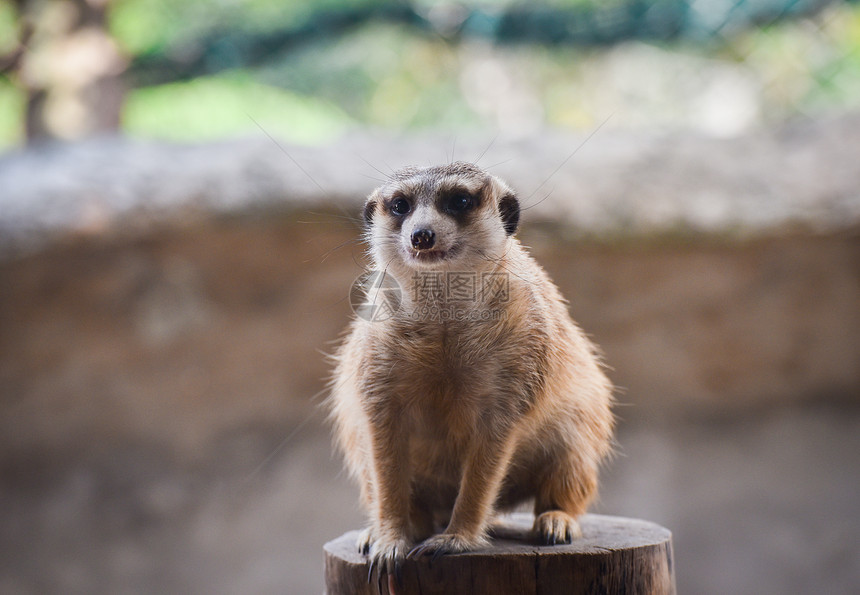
column 555, row 526
column 446, row 543
column 437, row 554
column 388, row 559
column 415, row 552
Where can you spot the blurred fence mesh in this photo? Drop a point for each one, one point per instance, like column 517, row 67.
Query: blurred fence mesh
column 717, row 65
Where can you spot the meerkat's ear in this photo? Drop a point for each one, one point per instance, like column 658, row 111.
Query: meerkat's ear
column 509, row 209
column 369, row 207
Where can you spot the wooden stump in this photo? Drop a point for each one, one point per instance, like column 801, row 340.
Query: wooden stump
column 614, row 555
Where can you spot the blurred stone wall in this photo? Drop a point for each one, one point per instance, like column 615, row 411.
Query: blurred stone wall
column 189, row 333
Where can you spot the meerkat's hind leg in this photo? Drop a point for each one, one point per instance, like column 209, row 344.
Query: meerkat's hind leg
column 556, row 526
column 562, row 498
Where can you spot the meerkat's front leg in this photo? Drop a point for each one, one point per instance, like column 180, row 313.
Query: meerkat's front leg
column 390, row 466
column 483, row 474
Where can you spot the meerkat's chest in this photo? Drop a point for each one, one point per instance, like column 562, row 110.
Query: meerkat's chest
column 440, row 365
column 447, row 349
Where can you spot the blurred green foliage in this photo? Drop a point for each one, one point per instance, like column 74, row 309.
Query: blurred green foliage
column 7, row 27
column 391, row 77
column 381, row 76
column 215, row 107
column 12, row 107
column 11, row 100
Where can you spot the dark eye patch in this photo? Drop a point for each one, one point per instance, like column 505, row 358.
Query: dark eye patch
column 458, row 201
column 399, row 205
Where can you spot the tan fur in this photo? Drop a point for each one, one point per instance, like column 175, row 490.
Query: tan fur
column 446, row 422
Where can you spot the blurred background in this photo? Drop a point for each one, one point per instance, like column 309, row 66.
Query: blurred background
column 179, row 185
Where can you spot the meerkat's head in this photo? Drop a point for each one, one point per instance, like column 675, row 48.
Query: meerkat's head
column 445, row 216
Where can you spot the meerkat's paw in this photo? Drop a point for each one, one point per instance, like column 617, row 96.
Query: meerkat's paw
column 555, row 526
column 387, row 557
column 446, row 543
column 365, row 540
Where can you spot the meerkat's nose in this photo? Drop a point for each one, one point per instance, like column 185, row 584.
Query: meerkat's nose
column 423, row 239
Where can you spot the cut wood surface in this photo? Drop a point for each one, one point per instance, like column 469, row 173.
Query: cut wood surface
column 614, row 555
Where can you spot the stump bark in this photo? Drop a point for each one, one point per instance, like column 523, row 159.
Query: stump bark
column 614, row 555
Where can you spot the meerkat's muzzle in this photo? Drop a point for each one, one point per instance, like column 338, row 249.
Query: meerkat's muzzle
column 423, row 239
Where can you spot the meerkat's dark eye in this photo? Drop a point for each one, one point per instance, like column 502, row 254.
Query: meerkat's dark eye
column 459, row 202
column 400, row 206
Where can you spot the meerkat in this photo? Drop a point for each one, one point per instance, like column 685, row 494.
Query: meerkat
column 470, row 400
